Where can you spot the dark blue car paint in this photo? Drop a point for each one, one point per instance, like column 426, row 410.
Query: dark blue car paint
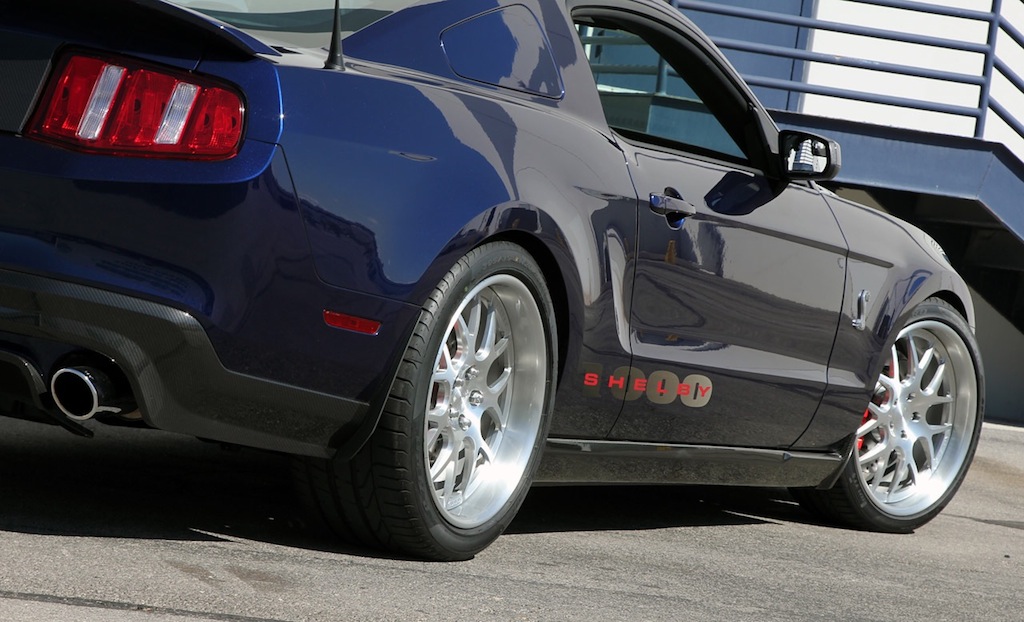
column 752, row 299
column 514, row 35
column 357, row 190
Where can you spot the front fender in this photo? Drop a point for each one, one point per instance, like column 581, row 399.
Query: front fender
column 896, row 266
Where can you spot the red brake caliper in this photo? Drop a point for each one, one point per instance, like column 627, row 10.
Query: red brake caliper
column 865, row 419
column 878, row 397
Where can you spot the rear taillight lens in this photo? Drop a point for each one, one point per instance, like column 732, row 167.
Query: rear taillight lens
column 114, row 105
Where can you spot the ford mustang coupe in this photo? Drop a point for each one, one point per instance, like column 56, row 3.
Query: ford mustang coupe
column 441, row 251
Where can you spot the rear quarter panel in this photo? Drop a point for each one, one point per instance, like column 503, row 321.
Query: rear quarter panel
column 400, row 171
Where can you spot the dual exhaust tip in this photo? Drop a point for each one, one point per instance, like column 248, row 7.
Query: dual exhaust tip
column 82, row 392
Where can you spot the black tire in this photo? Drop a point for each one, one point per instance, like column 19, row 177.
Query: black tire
column 928, row 405
column 462, row 402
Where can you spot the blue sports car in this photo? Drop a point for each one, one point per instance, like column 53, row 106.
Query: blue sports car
column 441, row 251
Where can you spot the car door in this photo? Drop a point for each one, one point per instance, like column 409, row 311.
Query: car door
column 739, row 277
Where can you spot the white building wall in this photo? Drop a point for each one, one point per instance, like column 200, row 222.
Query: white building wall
column 915, row 55
column 1003, row 90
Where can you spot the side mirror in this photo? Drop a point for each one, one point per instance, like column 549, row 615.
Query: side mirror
column 806, row 156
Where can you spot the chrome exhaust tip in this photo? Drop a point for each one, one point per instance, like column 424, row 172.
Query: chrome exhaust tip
column 82, row 392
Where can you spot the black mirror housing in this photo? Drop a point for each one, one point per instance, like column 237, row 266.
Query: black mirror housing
column 807, row 156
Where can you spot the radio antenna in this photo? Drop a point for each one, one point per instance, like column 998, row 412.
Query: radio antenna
column 334, row 57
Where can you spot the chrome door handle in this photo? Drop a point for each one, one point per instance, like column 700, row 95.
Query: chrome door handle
column 671, row 206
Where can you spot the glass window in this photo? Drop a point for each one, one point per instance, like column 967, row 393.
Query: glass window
column 643, row 94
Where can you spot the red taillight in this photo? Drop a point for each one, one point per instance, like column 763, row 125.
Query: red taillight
column 120, row 106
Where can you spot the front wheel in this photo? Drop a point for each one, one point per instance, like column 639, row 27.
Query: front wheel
column 462, row 432
column 919, row 432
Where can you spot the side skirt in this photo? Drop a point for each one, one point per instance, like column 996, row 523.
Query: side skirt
column 569, row 461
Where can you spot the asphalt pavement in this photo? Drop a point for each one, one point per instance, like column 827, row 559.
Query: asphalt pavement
column 137, row 526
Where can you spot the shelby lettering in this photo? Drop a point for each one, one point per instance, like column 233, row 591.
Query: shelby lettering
column 660, row 387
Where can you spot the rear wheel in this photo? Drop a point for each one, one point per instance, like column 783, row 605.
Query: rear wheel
column 462, row 432
column 919, row 432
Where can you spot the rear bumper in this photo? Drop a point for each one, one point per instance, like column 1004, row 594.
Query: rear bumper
column 177, row 379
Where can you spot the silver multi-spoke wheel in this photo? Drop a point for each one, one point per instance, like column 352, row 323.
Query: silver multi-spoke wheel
column 918, row 429
column 463, row 427
column 485, row 405
column 918, row 435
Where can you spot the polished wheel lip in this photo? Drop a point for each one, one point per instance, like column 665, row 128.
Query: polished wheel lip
column 918, row 430
column 485, row 405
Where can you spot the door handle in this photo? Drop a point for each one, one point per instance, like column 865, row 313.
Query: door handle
column 671, row 205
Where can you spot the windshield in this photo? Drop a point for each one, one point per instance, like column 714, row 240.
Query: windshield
column 299, row 23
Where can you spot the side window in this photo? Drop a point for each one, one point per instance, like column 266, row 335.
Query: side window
column 647, row 97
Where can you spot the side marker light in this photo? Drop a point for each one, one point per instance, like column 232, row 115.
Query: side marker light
column 351, row 322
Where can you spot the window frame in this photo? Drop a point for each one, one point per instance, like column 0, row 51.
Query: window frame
column 660, row 99
column 717, row 84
